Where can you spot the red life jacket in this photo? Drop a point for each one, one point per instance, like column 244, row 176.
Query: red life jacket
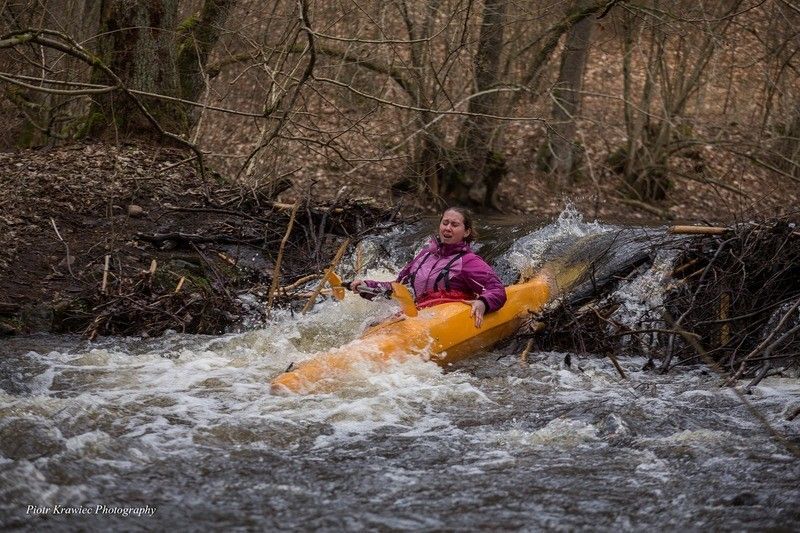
column 442, row 296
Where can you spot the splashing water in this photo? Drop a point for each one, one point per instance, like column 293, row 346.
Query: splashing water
column 186, row 425
column 641, row 300
column 531, row 251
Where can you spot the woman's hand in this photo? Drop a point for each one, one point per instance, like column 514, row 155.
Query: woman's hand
column 477, row 311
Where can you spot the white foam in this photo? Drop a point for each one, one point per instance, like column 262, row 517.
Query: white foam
column 528, row 252
column 91, row 440
column 642, row 298
column 562, row 432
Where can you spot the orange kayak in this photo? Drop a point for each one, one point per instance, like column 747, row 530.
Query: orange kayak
column 443, row 333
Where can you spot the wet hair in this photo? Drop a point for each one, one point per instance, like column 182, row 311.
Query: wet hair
column 468, row 221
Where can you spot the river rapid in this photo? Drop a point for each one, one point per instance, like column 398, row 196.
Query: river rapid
column 182, row 432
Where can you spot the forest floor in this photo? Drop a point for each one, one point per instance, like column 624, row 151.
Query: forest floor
column 65, row 210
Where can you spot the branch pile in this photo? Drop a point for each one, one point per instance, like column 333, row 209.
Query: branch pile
column 209, row 271
column 730, row 300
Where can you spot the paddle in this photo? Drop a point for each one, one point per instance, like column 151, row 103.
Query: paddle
column 400, row 292
column 336, row 284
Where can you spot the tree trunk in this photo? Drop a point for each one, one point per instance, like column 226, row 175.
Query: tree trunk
column 562, row 156
column 474, row 182
column 140, row 44
column 199, row 33
column 789, row 145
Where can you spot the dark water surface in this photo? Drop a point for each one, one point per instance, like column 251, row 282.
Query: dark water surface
column 186, row 426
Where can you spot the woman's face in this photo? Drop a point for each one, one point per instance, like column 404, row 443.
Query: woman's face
column 451, row 228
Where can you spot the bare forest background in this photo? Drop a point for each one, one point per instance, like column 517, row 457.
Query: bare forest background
column 669, row 107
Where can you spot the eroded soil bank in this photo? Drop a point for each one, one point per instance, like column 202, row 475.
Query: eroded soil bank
column 102, row 239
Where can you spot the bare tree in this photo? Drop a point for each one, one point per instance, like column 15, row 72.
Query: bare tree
column 782, row 98
column 789, row 144
column 41, row 117
column 679, row 41
column 145, row 67
column 478, row 170
column 427, row 95
column 560, row 155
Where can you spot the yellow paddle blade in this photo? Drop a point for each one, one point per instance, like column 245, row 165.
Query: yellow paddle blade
column 403, row 296
column 335, row 283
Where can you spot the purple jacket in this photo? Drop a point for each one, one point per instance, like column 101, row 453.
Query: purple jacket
column 441, row 266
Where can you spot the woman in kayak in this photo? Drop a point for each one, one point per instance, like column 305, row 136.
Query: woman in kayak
column 447, row 270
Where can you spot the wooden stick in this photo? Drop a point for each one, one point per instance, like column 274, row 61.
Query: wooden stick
column 226, row 258
column 60, row 238
column 684, row 266
column 698, row 230
column 616, row 365
column 359, row 262
column 523, row 357
column 334, row 263
column 724, row 312
column 180, row 284
column 276, row 273
column 299, row 282
column 534, row 326
column 105, row 274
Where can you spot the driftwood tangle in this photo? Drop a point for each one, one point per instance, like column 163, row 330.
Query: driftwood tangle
column 734, row 293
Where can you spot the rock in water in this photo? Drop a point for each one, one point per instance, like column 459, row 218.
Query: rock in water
column 27, row 438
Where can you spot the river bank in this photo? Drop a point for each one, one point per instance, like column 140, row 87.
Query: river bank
column 100, row 240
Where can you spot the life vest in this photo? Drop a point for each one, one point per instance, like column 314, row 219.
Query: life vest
column 442, row 296
column 442, row 276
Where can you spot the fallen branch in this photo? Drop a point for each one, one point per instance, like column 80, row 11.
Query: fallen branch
column 69, row 257
column 189, row 238
column 653, row 210
column 297, row 283
column 698, row 230
column 276, row 273
column 767, row 345
column 6, row 308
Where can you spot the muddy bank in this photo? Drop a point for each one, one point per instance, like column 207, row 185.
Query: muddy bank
column 100, row 239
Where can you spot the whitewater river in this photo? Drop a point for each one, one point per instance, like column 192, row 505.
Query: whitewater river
column 183, row 433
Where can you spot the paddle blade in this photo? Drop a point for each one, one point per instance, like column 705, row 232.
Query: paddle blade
column 403, row 296
column 335, row 283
